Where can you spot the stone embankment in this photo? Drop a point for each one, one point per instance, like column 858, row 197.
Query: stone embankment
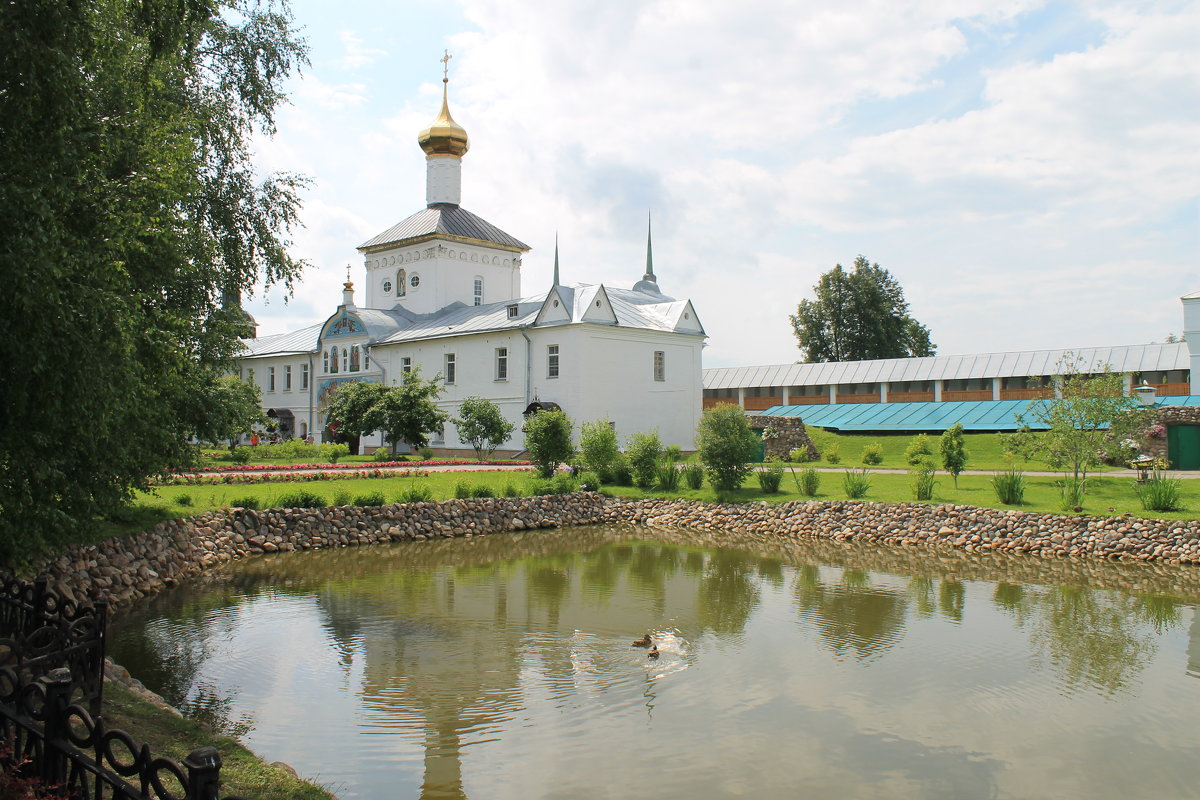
column 128, row 568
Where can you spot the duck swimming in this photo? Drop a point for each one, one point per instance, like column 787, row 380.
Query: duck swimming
column 653, row 652
column 642, row 642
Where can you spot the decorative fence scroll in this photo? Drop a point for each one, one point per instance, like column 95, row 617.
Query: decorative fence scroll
column 80, row 757
column 40, row 631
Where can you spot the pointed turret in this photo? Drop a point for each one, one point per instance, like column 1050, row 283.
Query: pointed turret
column 556, row 280
column 649, row 283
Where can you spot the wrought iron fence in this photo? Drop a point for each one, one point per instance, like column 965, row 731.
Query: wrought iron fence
column 77, row 755
column 40, row 631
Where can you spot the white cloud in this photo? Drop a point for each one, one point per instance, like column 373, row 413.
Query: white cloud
column 357, row 54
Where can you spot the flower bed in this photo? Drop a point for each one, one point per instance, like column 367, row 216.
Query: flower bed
column 443, row 463
column 232, row 479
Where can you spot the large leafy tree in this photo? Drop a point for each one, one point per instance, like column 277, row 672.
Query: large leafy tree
column 404, row 413
column 856, row 315
column 131, row 220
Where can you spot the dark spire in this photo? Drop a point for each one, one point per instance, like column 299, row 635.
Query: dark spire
column 556, row 259
column 649, row 276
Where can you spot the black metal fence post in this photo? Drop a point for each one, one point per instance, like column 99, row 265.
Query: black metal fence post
column 57, row 686
column 204, row 773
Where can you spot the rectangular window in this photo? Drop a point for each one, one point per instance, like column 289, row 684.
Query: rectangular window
column 406, row 364
column 287, row 378
column 304, row 376
column 501, row 363
column 450, row 367
column 660, row 365
column 478, row 291
column 552, row 361
column 270, row 379
column 512, row 312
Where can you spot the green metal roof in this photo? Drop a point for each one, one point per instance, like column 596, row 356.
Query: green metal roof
column 982, row 415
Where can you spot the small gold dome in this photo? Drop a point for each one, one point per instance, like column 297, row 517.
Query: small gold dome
column 444, row 136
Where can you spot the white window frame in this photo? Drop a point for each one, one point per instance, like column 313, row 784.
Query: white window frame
column 451, row 368
column 405, row 364
column 513, row 311
column 478, row 290
column 501, row 363
column 270, row 379
column 552, row 361
column 287, row 377
column 304, row 376
column 660, row 365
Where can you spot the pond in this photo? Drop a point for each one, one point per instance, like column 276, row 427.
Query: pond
column 502, row 667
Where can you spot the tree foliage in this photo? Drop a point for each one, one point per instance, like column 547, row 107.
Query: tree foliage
column 548, row 440
column 644, row 451
column 1092, row 410
column 857, row 315
column 132, row 221
column 481, row 425
column 726, row 445
column 233, row 406
column 953, row 447
column 404, row 413
column 598, row 446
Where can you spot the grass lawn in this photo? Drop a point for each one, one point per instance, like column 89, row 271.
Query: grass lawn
column 984, row 450
column 242, row 772
column 1042, row 493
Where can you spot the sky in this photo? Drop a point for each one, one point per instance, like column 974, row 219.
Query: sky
column 1029, row 171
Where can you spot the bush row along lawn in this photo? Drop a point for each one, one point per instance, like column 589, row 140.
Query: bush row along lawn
column 984, row 450
column 1107, row 495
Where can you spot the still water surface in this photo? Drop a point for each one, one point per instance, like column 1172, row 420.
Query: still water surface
column 501, row 667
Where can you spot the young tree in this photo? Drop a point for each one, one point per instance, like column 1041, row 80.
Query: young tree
column 858, row 315
column 481, row 425
column 954, row 451
column 726, row 446
column 598, row 446
column 133, row 219
column 1091, row 410
column 548, row 440
column 643, row 452
column 404, row 413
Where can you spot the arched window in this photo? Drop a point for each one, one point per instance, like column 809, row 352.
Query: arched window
column 478, row 290
column 345, row 360
column 333, row 359
column 401, row 284
column 324, row 362
column 355, row 364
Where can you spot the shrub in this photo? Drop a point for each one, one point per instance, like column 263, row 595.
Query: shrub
column 481, row 424
column 301, row 498
column 693, row 474
column 589, row 480
column 415, row 494
column 798, row 455
column 341, row 498
column 833, row 453
column 598, row 447
column 856, row 483
column 673, row 453
column 548, row 440
column 426, row 453
column 923, row 482
column 382, row 454
column 770, row 477
column 462, row 490
column 240, row 455
column 954, row 451
column 512, row 490
column 644, row 451
column 622, row 473
column 483, row 490
column 370, row 499
column 872, row 453
column 541, row 486
column 807, row 482
column 726, row 446
column 668, row 476
column 184, row 500
column 919, row 450
column 333, row 452
column 1160, row 492
column 564, row 483
column 249, row 501
column 1009, row 486
column 1072, row 490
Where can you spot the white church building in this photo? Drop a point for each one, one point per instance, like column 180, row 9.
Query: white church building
column 443, row 293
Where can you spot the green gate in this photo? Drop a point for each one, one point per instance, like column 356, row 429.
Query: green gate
column 1183, row 446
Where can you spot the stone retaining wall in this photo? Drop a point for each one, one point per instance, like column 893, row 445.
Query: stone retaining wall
column 788, row 434
column 128, row 568
column 1168, row 416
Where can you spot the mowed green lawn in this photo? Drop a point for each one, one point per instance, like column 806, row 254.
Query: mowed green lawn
column 1107, row 495
column 984, row 450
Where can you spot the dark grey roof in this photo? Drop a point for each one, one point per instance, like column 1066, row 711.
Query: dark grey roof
column 447, row 219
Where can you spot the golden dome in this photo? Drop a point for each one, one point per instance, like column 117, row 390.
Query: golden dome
column 444, row 136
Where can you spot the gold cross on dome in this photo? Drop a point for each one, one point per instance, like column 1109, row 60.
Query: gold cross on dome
column 347, row 273
column 445, row 59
